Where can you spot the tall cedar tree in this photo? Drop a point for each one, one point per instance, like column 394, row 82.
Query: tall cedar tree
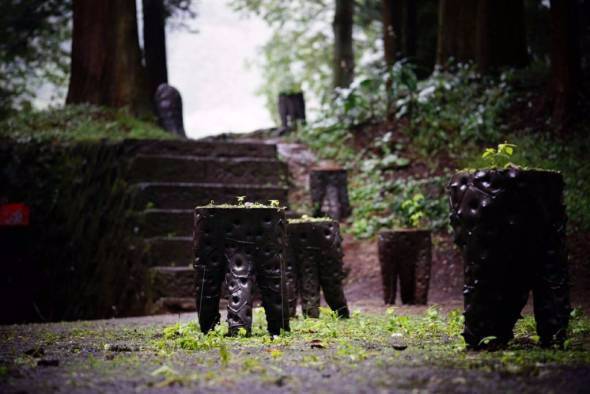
column 154, row 37
column 399, row 29
column 565, row 61
column 343, row 44
column 106, row 66
column 489, row 32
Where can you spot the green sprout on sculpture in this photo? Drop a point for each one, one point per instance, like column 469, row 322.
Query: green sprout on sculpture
column 500, row 157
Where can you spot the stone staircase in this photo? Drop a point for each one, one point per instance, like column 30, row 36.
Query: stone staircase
column 170, row 178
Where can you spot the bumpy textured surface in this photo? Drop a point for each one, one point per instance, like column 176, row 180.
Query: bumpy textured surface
column 316, row 250
column 510, row 225
column 407, row 255
column 242, row 246
column 329, row 193
column 292, row 282
column 169, row 109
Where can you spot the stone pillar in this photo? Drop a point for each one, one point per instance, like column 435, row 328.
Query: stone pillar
column 329, row 192
column 510, row 225
column 244, row 246
column 316, row 248
column 407, row 255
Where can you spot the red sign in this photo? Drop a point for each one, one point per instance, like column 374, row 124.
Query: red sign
column 14, row 215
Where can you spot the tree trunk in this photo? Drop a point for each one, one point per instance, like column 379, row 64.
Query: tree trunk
column 399, row 29
column 392, row 29
column 490, row 32
column 500, row 35
column 154, row 37
column 456, row 30
column 343, row 50
column 106, row 64
column 565, row 65
column 410, row 29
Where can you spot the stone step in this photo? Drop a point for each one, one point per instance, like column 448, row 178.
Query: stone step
column 165, row 223
column 202, row 148
column 164, row 195
column 170, row 251
column 170, row 168
column 172, row 282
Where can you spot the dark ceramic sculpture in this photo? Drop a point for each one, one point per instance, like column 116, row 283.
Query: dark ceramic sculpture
column 169, row 109
column 407, row 255
column 291, row 110
column 241, row 247
column 329, row 192
column 315, row 250
column 510, row 225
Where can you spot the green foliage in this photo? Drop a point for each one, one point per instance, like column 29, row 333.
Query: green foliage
column 78, row 123
column 299, row 54
column 413, row 211
column 380, row 203
column 430, row 336
column 457, row 110
column 499, row 157
column 32, row 50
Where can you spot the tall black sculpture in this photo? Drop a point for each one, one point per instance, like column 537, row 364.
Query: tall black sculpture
column 169, row 109
column 240, row 247
column 510, row 225
column 315, row 252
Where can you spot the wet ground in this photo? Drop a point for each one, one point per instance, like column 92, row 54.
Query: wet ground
column 411, row 349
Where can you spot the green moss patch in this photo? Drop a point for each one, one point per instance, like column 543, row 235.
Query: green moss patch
column 79, row 123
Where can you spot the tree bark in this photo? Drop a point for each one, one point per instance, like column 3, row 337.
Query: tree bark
column 392, row 23
column 106, row 64
column 343, row 48
column 500, row 35
column 154, row 38
column 399, row 29
column 565, row 61
column 489, row 32
column 456, row 30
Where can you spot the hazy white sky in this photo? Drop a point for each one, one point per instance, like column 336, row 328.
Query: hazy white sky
column 208, row 68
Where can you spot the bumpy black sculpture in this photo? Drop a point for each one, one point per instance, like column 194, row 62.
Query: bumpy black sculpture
column 316, row 252
column 242, row 246
column 407, row 255
column 169, row 109
column 510, row 225
column 329, row 192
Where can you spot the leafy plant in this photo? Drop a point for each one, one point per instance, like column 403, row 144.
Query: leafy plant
column 413, row 212
column 499, row 157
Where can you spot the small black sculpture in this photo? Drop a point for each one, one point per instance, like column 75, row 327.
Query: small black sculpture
column 315, row 252
column 291, row 110
column 329, row 192
column 169, row 109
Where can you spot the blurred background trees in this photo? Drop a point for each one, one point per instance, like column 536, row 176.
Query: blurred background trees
column 317, row 46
